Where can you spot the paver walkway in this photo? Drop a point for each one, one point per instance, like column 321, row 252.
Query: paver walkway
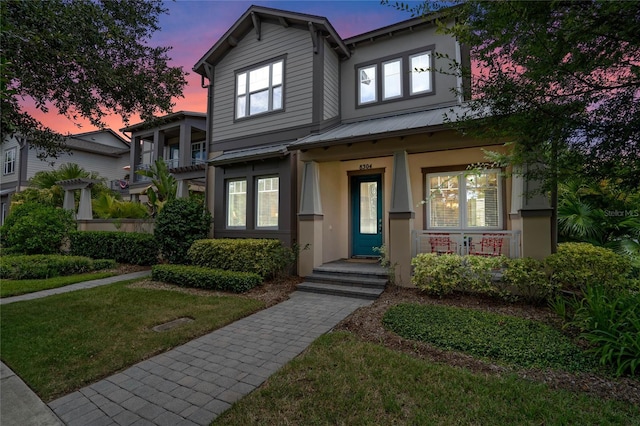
column 193, row 383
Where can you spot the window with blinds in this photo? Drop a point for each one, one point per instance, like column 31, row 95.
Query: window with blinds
column 464, row 200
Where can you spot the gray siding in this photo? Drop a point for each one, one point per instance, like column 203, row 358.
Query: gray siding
column 10, row 180
column 109, row 168
column 385, row 47
column 276, row 41
column 331, row 84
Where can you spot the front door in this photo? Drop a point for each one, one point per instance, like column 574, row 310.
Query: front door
column 366, row 208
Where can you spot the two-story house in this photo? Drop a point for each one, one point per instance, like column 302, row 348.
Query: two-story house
column 180, row 140
column 101, row 151
column 342, row 146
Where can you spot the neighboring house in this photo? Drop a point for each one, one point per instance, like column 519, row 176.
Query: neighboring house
column 101, row 151
column 180, row 140
column 341, row 146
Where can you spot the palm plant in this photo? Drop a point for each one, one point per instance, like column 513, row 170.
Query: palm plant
column 600, row 213
column 164, row 185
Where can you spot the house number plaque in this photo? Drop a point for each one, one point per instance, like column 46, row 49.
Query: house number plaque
column 366, row 166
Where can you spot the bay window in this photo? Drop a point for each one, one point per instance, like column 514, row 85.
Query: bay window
column 464, row 200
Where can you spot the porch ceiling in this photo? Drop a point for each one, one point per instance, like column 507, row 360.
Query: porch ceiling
column 378, row 128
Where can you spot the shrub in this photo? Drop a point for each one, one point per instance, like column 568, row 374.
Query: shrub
column 526, row 279
column 180, row 222
column 498, row 337
column 576, row 266
column 123, row 247
column 438, row 275
column 610, row 320
column 36, row 229
column 206, row 278
column 46, row 266
column 479, row 273
column 266, row 258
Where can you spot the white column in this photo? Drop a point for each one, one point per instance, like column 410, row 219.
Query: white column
column 85, row 211
column 69, row 202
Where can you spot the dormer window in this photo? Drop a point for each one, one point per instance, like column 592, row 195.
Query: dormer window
column 400, row 77
column 260, row 89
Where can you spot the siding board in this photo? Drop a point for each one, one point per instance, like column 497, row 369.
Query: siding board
column 276, row 41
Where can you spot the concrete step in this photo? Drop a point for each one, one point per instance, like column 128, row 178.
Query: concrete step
column 351, row 280
column 341, row 290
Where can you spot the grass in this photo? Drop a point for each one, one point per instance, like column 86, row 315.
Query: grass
column 500, row 338
column 63, row 342
column 10, row 288
column 341, row 380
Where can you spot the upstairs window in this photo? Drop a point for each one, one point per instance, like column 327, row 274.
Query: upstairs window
column 198, row 153
column 395, row 78
column 9, row 161
column 464, row 200
column 260, row 89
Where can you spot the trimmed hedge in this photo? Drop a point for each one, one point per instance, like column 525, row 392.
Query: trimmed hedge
column 180, row 222
column 206, row 278
column 577, row 266
column 42, row 266
column 124, row 247
column 264, row 257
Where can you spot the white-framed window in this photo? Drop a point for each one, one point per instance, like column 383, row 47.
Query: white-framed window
column 367, row 89
column 10, row 161
column 260, row 90
column 267, row 202
column 198, row 153
column 395, row 78
column 464, row 200
column 420, row 73
column 237, row 203
column 392, row 79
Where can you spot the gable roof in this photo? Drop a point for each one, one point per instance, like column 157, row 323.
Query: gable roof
column 256, row 14
column 158, row 121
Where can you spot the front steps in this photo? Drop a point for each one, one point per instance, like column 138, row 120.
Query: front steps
column 347, row 278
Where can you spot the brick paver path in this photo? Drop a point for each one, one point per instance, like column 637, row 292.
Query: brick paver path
column 193, row 383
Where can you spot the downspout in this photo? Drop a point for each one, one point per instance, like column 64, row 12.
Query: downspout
column 208, row 132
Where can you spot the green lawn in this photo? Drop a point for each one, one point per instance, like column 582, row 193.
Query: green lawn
column 16, row 287
column 63, row 342
column 341, row 380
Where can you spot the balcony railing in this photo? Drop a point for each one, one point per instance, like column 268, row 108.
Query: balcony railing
column 479, row 243
column 120, row 185
column 139, row 178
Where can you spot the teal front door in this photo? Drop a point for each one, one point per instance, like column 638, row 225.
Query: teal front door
column 366, row 210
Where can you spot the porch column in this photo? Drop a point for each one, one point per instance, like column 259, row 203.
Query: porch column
column 401, row 216
column 158, row 145
column 310, row 219
column 531, row 213
column 183, row 189
column 69, row 201
column 85, row 211
column 184, row 145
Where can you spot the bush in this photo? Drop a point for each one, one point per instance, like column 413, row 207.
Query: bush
column 206, row 278
column 479, row 273
column 610, row 320
column 36, row 229
column 46, row 266
column 124, row 247
column 577, row 266
column 498, row 337
column 266, row 258
column 180, row 222
column 526, row 279
column 438, row 275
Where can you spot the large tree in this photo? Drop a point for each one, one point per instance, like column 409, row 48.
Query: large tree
column 87, row 58
column 561, row 79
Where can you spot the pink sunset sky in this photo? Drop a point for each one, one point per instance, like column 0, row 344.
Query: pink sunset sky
column 191, row 27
